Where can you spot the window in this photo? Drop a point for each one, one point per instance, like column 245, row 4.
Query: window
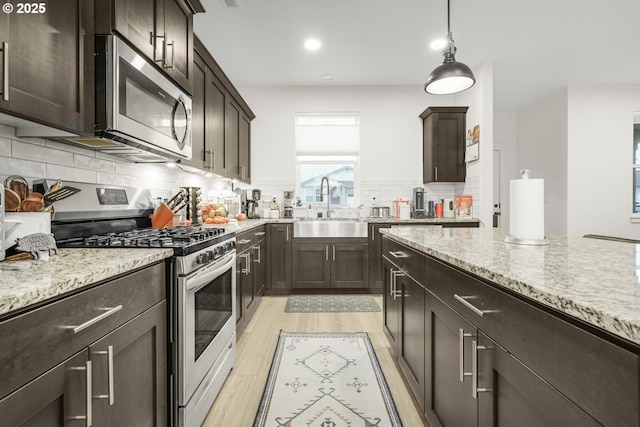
column 636, row 162
column 327, row 145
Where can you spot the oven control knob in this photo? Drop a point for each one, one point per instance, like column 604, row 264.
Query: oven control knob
column 211, row 256
column 228, row 246
column 219, row 250
column 201, row 259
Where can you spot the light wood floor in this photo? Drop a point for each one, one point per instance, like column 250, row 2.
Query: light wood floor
column 238, row 401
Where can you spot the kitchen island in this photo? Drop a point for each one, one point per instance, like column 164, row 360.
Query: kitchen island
column 509, row 332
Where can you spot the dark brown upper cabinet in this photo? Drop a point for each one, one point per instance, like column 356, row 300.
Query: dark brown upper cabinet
column 162, row 30
column 47, row 64
column 444, row 136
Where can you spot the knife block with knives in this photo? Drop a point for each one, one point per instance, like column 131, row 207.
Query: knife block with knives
column 164, row 214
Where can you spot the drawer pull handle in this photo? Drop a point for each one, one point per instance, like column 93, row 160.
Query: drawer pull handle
column 96, row 319
column 398, row 254
column 244, row 242
column 476, row 310
column 461, row 337
column 259, row 233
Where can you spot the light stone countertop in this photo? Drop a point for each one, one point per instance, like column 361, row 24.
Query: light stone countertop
column 593, row 280
column 27, row 282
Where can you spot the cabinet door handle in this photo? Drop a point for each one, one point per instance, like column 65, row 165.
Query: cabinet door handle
column 88, row 375
column 461, row 337
column 163, row 59
column 287, row 228
column 85, row 325
column 257, row 248
column 394, row 284
column 333, row 250
column 5, row 71
column 436, row 173
column 165, row 66
column 373, row 234
column 247, row 258
column 326, row 253
column 212, row 159
column 474, row 367
column 110, row 395
column 476, row 310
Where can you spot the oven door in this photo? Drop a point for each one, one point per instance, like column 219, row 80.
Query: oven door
column 206, row 321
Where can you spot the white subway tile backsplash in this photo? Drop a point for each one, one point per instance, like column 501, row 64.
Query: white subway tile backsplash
column 40, row 153
column 107, row 179
column 25, row 168
column 68, row 173
column 99, row 165
column 130, row 170
column 5, row 147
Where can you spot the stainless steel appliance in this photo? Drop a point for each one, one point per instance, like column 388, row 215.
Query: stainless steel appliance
column 141, row 114
column 418, row 205
column 250, row 203
column 193, row 204
column 287, row 204
column 201, row 288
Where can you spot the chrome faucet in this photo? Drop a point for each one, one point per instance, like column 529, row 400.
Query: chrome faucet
column 324, row 178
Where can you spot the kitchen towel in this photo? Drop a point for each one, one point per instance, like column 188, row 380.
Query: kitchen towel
column 527, row 208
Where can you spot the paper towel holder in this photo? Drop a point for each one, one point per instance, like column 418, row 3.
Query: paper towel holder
column 526, row 173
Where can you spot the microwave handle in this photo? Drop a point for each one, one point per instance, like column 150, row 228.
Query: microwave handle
column 174, row 111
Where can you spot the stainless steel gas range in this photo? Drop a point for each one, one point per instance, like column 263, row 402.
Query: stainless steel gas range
column 200, row 287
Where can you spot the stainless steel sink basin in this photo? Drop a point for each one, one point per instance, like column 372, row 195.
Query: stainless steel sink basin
column 330, row 228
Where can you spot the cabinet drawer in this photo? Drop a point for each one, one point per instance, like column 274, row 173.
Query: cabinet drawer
column 39, row 339
column 599, row 376
column 405, row 258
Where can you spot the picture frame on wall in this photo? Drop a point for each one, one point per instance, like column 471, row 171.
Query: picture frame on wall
column 472, row 152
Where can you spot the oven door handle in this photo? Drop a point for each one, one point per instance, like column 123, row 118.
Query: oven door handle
column 203, row 277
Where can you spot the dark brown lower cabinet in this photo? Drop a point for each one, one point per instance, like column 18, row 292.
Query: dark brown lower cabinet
column 330, row 263
column 100, row 353
column 279, row 247
column 510, row 394
column 391, row 306
column 250, row 274
column 56, row 398
column 128, row 383
column 448, row 396
column 412, row 344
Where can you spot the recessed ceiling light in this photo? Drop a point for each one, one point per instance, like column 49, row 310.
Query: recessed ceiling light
column 312, row 44
column 438, row 44
column 327, row 77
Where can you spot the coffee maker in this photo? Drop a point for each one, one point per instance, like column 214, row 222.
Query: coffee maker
column 288, row 204
column 249, row 200
column 418, row 206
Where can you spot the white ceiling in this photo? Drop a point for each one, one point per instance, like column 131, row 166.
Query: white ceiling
column 536, row 46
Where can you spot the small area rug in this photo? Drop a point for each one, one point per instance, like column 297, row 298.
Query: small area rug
column 326, row 379
column 330, row 303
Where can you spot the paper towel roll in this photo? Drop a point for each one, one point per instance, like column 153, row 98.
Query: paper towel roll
column 405, row 211
column 527, row 209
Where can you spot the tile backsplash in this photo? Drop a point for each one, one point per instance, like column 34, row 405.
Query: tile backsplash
column 40, row 158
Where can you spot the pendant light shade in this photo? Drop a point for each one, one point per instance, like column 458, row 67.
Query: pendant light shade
column 451, row 76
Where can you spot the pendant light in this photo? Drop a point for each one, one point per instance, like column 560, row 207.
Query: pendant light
column 451, row 76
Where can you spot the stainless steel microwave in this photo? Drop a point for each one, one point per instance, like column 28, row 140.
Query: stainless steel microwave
column 141, row 114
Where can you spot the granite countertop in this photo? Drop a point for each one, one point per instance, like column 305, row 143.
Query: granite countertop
column 26, row 282
column 248, row 224
column 593, row 280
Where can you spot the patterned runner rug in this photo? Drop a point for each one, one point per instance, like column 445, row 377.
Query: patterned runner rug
column 326, row 379
column 330, row 303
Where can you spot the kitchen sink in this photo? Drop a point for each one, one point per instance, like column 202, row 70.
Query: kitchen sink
column 330, row 228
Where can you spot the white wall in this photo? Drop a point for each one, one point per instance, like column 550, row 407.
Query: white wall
column 542, row 148
column 600, row 145
column 505, row 141
column 390, row 135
